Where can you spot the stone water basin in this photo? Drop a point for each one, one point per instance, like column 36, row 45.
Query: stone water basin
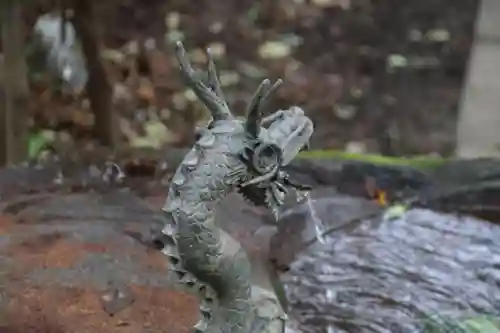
column 384, row 276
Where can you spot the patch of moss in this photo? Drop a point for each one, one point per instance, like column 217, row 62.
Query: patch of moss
column 477, row 324
column 418, row 162
column 483, row 324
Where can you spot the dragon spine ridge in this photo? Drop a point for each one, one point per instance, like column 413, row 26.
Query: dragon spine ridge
column 229, row 154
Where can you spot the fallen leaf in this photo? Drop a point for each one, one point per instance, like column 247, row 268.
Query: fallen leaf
column 115, row 56
column 218, row 50
column 355, row 147
column 345, row 4
column 159, row 134
column 274, row 50
column 229, row 78
column 173, row 20
column 146, row 90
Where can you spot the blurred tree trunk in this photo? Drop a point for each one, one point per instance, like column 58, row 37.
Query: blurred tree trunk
column 98, row 87
column 479, row 121
column 14, row 113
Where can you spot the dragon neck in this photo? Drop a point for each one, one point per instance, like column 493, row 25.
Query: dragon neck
column 215, row 267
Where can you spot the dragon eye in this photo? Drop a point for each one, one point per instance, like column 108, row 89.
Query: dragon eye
column 266, row 158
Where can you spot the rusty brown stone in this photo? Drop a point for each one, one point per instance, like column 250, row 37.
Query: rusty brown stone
column 61, row 310
column 155, row 260
column 48, row 250
column 156, row 202
column 6, row 224
column 150, row 258
column 51, row 279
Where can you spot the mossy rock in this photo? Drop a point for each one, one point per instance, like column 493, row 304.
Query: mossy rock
column 477, row 324
column 418, row 162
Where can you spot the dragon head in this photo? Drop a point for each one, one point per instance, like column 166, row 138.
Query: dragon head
column 265, row 145
column 277, row 141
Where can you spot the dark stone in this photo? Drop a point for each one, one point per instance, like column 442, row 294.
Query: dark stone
column 370, row 272
column 116, row 299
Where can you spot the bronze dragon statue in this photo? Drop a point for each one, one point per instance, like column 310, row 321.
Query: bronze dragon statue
column 229, row 154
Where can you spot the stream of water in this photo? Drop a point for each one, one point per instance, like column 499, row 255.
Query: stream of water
column 319, row 227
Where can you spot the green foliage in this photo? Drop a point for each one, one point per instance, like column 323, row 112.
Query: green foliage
column 483, row 324
column 419, row 162
column 436, row 324
column 37, row 143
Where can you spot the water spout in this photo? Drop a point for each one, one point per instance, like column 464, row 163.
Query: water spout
column 319, row 227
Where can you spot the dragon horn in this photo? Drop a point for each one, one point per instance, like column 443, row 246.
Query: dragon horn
column 254, row 109
column 213, row 79
column 210, row 95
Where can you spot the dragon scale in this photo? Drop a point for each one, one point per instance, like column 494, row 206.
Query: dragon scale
column 229, row 154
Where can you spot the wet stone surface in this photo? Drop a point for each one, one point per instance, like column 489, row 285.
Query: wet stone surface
column 386, row 276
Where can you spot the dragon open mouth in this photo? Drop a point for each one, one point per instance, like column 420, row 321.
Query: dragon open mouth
column 271, row 194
